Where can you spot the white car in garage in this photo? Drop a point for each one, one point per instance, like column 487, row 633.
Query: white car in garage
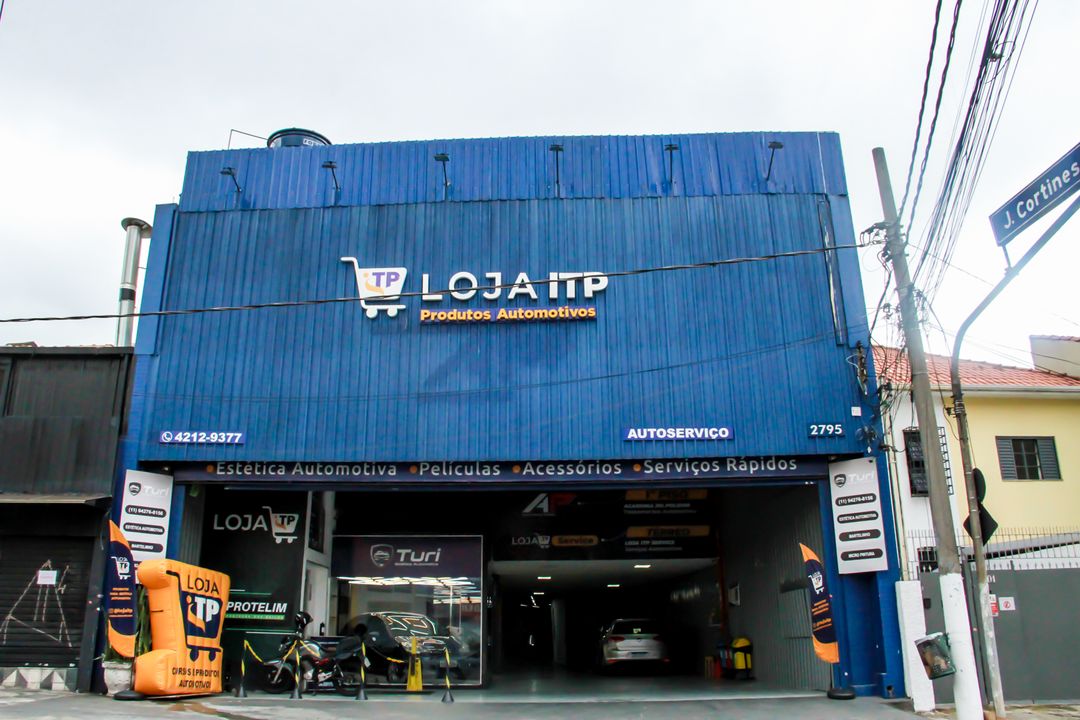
column 632, row 640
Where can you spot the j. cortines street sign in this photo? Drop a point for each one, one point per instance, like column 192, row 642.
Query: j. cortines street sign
column 1042, row 194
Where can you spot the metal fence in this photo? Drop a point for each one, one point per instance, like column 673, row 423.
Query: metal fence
column 1046, row 548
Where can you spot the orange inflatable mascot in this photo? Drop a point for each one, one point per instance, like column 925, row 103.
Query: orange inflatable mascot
column 187, row 609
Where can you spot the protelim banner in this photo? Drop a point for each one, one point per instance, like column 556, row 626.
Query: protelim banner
column 821, row 618
column 120, row 593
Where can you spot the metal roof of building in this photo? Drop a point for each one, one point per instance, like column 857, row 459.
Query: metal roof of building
column 523, row 168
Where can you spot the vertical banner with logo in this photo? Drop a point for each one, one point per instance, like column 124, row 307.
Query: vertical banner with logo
column 120, row 594
column 187, row 605
column 821, row 618
column 144, row 513
column 857, row 522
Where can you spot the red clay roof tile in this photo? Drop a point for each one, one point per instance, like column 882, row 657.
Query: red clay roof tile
column 892, row 365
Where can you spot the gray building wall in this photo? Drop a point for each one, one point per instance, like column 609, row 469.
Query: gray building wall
column 61, row 411
column 760, row 535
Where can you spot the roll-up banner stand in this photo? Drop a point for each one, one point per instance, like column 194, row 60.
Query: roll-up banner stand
column 144, row 513
column 857, row 522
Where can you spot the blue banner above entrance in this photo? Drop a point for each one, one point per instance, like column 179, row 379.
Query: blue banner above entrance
column 610, row 472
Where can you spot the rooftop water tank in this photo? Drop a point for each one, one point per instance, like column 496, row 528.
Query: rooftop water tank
column 296, row 137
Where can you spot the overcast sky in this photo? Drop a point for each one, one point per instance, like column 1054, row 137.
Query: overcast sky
column 99, row 103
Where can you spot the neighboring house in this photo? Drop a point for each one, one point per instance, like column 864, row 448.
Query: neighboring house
column 1056, row 353
column 61, row 415
column 1024, row 425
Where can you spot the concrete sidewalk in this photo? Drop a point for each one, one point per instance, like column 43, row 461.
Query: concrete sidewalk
column 45, row 705
column 60, row 705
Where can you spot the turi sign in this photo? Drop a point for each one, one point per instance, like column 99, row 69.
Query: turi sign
column 380, row 290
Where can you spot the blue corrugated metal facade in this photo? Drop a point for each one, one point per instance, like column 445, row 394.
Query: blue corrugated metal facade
column 764, row 348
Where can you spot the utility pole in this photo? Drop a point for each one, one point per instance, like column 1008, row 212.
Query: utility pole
column 953, row 602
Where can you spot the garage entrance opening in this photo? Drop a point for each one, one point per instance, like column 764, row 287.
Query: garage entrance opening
column 555, row 614
column 581, row 587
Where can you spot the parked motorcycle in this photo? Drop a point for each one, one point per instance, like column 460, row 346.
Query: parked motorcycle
column 316, row 665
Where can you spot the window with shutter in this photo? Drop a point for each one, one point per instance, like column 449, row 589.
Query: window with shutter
column 916, row 464
column 1048, row 460
column 916, row 461
column 1028, row 458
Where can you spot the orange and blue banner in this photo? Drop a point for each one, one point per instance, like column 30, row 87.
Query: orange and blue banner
column 821, row 618
column 120, row 594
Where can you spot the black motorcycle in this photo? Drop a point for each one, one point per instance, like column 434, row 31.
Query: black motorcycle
column 315, row 665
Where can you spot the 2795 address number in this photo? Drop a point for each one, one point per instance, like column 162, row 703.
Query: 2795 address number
column 192, row 437
column 826, row 430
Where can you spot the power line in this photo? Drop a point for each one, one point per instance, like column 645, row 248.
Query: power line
column 329, row 301
column 989, row 283
column 937, row 110
column 1026, row 354
column 922, row 106
column 988, row 94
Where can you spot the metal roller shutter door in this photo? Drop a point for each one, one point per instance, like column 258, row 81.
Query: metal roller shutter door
column 41, row 624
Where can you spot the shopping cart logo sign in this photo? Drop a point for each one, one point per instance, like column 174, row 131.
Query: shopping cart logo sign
column 282, row 525
column 202, row 615
column 123, row 567
column 378, row 288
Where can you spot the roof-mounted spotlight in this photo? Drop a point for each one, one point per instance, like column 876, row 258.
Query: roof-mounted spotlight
column 774, row 145
column 671, row 149
column 557, row 149
column 332, row 167
column 442, row 158
column 231, row 172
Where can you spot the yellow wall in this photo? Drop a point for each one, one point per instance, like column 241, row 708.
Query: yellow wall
column 1025, row 503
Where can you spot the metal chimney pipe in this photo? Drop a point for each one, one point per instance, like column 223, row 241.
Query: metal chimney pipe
column 137, row 230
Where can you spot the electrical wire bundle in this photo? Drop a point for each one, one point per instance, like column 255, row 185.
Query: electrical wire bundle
column 1004, row 44
column 998, row 60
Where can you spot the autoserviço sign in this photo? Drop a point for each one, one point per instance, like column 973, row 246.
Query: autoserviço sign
column 380, row 290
